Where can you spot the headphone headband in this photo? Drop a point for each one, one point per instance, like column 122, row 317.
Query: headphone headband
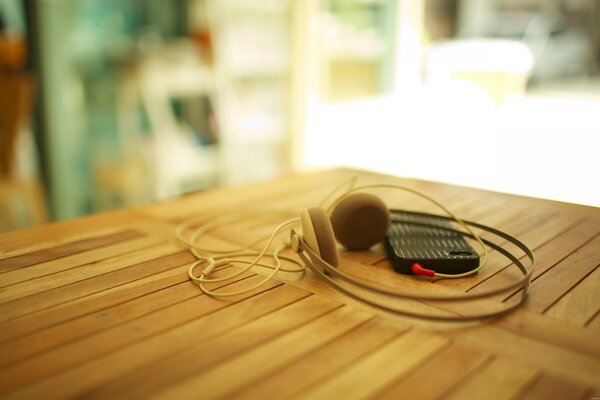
column 522, row 284
column 314, row 255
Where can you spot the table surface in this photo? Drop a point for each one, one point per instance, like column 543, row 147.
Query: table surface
column 102, row 306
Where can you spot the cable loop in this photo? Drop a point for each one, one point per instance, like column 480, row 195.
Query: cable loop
column 215, row 261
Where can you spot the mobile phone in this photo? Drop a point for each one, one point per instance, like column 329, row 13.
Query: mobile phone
column 414, row 237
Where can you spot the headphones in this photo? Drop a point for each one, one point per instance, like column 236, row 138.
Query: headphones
column 357, row 220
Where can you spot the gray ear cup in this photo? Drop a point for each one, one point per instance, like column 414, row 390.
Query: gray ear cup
column 360, row 220
column 318, row 234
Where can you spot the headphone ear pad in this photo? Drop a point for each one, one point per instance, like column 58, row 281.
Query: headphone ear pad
column 318, row 234
column 360, row 220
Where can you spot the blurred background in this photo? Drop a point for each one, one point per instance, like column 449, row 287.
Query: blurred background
column 110, row 103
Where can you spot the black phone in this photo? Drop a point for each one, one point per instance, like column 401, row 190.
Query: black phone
column 416, row 238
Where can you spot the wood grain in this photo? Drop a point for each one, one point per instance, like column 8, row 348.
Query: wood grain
column 439, row 375
column 381, row 366
column 70, row 269
column 47, row 236
column 62, row 294
column 580, row 304
column 95, row 371
column 551, row 387
column 548, row 288
column 81, row 306
column 547, row 255
column 75, row 329
column 574, row 366
column 324, row 362
column 101, row 307
column 201, row 356
column 216, row 382
column 594, row 322
column 499, row 379
column 37, row 257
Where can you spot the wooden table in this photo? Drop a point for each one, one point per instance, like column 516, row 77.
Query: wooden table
column 102, row 307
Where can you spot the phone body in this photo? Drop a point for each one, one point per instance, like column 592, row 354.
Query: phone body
column 413, row 237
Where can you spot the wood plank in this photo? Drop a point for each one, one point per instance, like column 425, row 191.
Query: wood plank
column 541, row 356
column 445, row 370
column 551, row 387
column 531, row 228
column 594, row 322
column 25, row 346
column 53, row 253
column 216, row 382
column 375, row 371
column 58, row 233
column 279, row 193
column 500, row 270
column 533, row 221
column 580, row 304
column 34, row 279
column 500, row 378
column 96, row 345
column 323, row 362
column 98, row 300
column 506, row 214
column 97, row 372
column 199, row 357
column 462, row 204
column 82, row 306
column 48, row 298
column 547, row 256
column 473, row 207
column 551, row 331
column 284, row 194
column 555, row 283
